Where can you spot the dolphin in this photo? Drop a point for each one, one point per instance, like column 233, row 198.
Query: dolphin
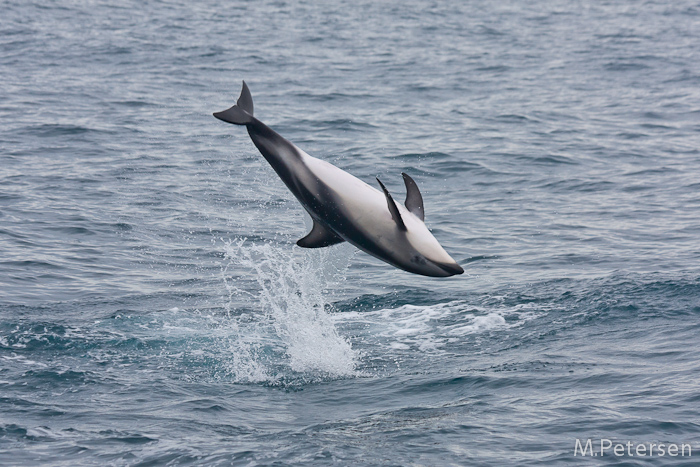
column 344, row 208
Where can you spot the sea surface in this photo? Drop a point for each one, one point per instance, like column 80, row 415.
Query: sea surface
column 155, row 310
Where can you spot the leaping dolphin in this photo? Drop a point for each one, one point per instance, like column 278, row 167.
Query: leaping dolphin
column 344, row 208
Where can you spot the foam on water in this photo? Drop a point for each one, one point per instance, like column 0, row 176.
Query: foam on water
column 432, row 328
column 291, row 292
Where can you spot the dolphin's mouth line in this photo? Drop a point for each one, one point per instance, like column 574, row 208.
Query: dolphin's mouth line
column 450, row 268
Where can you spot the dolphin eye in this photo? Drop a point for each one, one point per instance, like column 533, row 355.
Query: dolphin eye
column 417, row 259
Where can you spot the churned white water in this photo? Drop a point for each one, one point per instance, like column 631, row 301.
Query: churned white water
column 291, row 308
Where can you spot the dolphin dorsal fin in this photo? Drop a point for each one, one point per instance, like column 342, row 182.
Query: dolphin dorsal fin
column 319, row 237
column 393, row 208
column 414, row 200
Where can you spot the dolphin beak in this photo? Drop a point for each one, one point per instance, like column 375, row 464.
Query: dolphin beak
column 450, row 268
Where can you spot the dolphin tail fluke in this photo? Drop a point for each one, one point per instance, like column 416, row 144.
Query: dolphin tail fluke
column 242, row 112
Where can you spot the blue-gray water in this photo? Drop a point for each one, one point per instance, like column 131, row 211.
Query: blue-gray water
column 154, row 309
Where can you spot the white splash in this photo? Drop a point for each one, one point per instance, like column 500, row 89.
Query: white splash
column 290, row 298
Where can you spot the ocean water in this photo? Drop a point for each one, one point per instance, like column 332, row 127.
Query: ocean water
column 154, row 309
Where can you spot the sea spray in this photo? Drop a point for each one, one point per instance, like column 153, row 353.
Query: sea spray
column 291, row 288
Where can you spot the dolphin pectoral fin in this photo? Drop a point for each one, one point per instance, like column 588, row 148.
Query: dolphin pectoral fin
column 414, row 200
column 393, row 209
column 319, row 237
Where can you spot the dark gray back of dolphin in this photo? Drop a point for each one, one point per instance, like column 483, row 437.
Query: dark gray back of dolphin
column 282, row 155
